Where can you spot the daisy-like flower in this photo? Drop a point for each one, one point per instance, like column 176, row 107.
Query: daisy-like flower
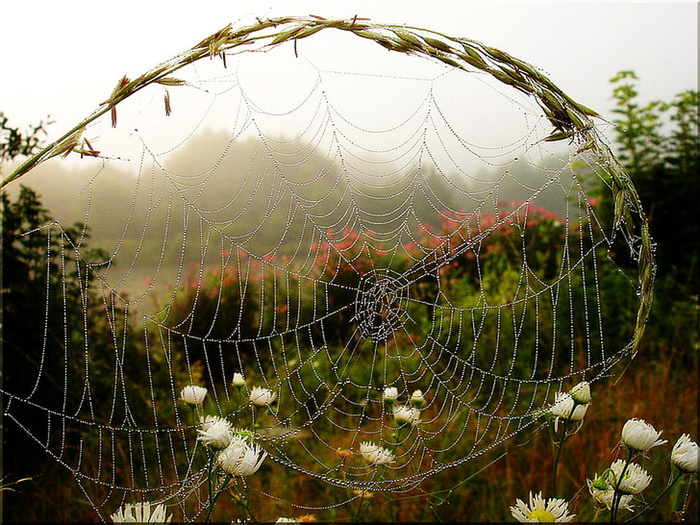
column 552, row 510
column 375, row 454
column 238, row 380
column 261, row 397
column 141, row 513
column 404, row 414
column 240, row 458
column 634, row 480
column 390, row 394
column 581, row 393
column 565, row 407
column 685, row 454
column 193, row 394
column 210, row 420
column 418, row 399
column 604, row 495
column 215, row 433
column 640, row 436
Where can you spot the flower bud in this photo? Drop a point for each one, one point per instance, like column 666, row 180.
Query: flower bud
column 581, row 393
column 193, row 395
column 390, row 394
column 406, row 414
column 238, row 380
column 565, row 408
column 417, row 399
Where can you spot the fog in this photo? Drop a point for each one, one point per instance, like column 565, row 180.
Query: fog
column 273, row 152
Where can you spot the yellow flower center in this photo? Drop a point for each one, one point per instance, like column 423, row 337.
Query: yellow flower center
column 542, row 516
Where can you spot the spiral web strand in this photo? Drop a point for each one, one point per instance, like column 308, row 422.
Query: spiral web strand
column 329, row 227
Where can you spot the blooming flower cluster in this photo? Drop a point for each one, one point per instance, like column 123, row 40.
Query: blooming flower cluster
column 624, row 480
column 603, row 494
column 229, row 450
column 404, row 414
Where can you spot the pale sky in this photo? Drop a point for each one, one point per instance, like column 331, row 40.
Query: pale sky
column 64, row 58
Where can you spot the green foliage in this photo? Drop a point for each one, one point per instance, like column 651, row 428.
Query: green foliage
column 36, row 256
column 660, row 148
column 14, row 142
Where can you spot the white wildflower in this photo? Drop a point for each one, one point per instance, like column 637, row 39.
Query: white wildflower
column 581, row 393
column 215, row 433
column 209, row 421
column 565, row 407
column 238, row 380
column 260, row 396
column 240, row 458
column 603, row 495
column 193, row 395
column 640, row 436
column 375, row 454
column 634, row 480
column 404, row 414
column 552, row 510
column 390, row 394
column 685, row 454
column 141, row 513
column 418, row 399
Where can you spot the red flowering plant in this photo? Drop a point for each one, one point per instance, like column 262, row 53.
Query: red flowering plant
column 483, row 266
column 215, row 306
column 478, row 248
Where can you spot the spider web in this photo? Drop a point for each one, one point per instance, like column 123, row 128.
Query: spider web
column 328, row 224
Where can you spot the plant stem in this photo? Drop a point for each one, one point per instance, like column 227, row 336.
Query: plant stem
column 359, row 508
column 557, row 455
column 618, row 493
column 212, row 500
column 242, row 502
column 670, row 485
column 209, row 474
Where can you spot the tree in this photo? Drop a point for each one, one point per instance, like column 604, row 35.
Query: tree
column 659, row 147
column 14, row 142
column 44, row 293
